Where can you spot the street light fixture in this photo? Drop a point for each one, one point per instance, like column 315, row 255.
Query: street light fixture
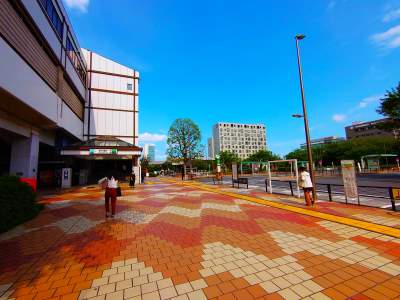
column 308, row 142
column 297, row 116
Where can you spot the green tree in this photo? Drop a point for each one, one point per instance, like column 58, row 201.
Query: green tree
column 263, row 155
column 144, row 163
column 227, row 158
column 350, row 149
column 390, row 108
column 299, row 154
column 184, row 141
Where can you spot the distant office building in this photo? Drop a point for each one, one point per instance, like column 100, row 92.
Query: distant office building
column 323, row 141
column 242, row 139
column 149, row 152
column 369, row 129
column 211, row 148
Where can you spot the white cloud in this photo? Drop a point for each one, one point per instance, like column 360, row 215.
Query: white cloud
column 80, row 5
column 363, row 103
column 366, row 101
column 389, row 38
column 152, row 137
column 392, row 15
column 338, row 117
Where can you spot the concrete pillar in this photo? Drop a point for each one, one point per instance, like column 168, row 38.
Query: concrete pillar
column 25, row 156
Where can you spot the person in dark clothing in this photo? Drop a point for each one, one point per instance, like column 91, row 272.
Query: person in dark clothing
column 132, row 179
column 143, row 175
column 183, row 173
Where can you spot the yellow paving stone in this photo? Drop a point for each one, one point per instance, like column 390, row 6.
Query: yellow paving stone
column 105, row 289
column 168, row 293
column 184, row 288
column 198, row 284
column 343, row 220
column 132, row 292
column 151, row 296
column 119, row 295
column 197, row 295
column 164, row 283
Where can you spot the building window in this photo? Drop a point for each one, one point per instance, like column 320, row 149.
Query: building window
column 129, row 86
column 76, row 60
column 53, row 16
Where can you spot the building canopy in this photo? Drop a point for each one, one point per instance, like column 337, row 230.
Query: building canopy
column 103, row 147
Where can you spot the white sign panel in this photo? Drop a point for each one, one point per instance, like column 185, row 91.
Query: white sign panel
column 103, row 151
column 234, row 171
column 349, row 178
column 66, row 177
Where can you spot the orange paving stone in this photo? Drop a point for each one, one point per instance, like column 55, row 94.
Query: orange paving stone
column 170, row 240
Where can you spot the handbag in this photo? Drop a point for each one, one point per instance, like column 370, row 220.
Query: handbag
column 119, row 193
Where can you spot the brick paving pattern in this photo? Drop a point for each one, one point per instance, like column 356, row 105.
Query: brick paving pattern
column 171, row 241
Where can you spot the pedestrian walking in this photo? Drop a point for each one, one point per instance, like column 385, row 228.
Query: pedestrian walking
column 306, row 184
column 183, row 172
column 132, row 179
column 143, row 175
column 110, row 185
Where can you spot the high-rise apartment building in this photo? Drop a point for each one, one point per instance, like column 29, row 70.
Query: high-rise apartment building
column 149, row 152
column 242, row 139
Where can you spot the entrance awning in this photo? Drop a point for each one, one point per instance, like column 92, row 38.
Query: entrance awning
column 103, row 147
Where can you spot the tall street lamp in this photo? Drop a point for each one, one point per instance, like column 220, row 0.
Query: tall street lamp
column 309, row 152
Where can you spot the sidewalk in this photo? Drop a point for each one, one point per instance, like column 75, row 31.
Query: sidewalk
column 359, row 212
column 173, row 241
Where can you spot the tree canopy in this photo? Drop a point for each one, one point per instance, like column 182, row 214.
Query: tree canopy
column 350, row 149
column 184, row 141
column 227, row 158
column 390, row 108
column 263, row 155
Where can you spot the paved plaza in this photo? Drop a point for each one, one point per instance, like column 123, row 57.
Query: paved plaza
column 193, row 241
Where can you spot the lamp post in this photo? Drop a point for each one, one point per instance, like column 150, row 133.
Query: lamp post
column 309, row 152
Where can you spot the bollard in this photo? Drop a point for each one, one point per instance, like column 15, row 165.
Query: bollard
column 329, row 192
column 392, row 198
column 291, row 188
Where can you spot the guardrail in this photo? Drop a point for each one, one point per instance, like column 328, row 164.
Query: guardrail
column 331, row 189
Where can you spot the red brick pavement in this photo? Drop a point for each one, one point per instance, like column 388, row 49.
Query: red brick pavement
column 178, row 242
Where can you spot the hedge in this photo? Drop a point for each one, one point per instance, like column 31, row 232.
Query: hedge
column 17, row 203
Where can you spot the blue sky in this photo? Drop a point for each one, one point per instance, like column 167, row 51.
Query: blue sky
column 235, row 61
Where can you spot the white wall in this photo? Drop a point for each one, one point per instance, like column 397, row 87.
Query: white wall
column 112, row 122
column 115, row 83
column 69, row 121
column 111, row 100
column 115, row 123
column 42, row 22
column 20, row 80
column 103, row 64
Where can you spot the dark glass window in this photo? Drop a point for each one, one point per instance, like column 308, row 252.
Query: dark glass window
column 129, row 86
column 53, row 16
column 75, row 59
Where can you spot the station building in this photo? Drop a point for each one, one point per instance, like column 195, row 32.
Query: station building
column 61, row 107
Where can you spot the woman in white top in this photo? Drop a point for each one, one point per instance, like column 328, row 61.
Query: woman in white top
column 306, row 183
column 110, row 185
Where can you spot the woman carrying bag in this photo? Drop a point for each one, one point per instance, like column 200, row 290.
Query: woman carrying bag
column 112, row 191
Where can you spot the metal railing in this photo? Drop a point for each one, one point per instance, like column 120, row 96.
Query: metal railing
column 330, row 189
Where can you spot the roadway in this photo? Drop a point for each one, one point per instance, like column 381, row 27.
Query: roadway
column 372, row 188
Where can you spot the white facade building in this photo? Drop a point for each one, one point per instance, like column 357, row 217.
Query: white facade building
column 242, row 139
column 113, row 100
column 57, row 99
